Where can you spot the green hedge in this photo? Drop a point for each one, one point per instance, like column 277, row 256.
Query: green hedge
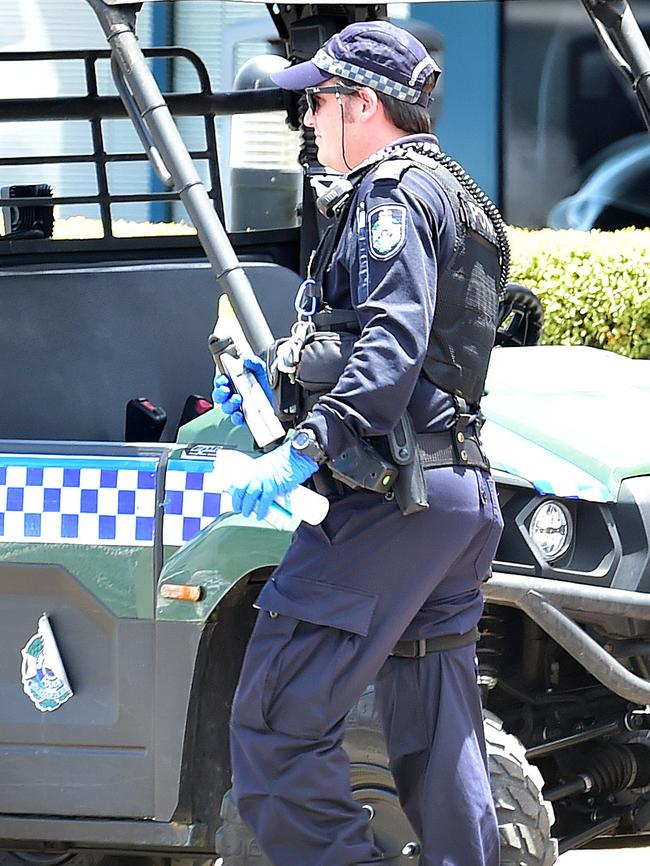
column 595, row 286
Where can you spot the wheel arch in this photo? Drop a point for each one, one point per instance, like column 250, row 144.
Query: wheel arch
column 205, row 770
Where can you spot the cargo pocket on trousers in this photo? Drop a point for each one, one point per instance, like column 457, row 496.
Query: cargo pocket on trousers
column 311, row 684
column 263, row 656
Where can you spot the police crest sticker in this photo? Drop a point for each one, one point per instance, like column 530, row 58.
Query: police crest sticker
column 42, row 673
column 387, row 230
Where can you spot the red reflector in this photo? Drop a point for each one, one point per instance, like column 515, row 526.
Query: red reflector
column 181, row 592
column 202, row 406
column 148, row 405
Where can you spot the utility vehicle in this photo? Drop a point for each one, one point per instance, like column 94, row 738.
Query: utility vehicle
column 127, row 585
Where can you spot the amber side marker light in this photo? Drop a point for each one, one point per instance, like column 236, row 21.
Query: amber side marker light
column 181, row 592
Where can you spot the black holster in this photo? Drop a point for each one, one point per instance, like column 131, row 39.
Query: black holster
column 410, row 488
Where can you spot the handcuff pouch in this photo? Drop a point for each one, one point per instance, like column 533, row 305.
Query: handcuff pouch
column 321, row 362
column 323, row 359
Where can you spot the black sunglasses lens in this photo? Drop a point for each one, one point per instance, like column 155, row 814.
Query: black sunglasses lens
column 313, row 98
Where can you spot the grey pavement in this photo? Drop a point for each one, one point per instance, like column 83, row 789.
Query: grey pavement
column 637, row 856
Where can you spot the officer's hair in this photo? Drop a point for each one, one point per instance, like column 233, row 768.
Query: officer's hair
column 413, row 119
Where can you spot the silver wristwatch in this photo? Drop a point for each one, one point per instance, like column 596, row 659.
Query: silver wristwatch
column 304, row 442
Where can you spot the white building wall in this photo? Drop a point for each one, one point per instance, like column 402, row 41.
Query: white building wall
column 44, row 25
column 39, row 25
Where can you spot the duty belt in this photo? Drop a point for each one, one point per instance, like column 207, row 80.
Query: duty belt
column 417, row 649
column 440, row 449
column 435, row 449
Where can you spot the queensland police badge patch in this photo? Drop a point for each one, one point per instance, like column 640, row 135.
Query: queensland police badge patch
column 42, row 673
column 387, row 230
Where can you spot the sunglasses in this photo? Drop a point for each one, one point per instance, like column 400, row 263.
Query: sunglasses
column 312, row 94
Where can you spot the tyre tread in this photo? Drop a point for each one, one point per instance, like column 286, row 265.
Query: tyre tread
column 525, row 817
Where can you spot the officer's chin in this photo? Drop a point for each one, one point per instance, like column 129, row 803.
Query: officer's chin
column 329, row 167
column 320, row 156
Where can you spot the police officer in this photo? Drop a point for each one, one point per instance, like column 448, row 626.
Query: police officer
column 379, row 592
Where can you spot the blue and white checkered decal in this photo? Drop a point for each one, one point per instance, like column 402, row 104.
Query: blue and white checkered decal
column 104, row 500
column 192, row 499
column 77, row 500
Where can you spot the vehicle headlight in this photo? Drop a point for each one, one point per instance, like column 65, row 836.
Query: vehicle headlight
column 551, row 528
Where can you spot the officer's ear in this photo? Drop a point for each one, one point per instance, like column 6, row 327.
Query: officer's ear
column 368, row 104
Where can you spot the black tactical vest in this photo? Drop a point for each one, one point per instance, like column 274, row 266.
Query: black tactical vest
column 469, row 287
column 467, row 302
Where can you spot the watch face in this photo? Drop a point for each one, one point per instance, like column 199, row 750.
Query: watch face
column 301, row 440
column 304, row 441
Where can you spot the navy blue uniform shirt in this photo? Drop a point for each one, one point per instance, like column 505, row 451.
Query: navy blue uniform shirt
column 399, row 235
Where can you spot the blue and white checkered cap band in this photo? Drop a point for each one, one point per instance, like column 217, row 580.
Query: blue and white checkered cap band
column 366, row 77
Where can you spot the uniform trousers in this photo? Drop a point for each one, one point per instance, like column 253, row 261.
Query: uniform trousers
column 343, row 595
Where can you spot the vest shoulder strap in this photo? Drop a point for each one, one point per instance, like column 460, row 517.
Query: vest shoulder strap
column 391, row 169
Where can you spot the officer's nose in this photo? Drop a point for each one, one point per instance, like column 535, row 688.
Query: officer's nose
column 308, row 119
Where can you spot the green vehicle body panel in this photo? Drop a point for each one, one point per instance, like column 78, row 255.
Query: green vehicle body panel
column 588, row 406
column 121, row 578
column 215, row 560
column 568, row 400
column 213, row 428
column 227, row 550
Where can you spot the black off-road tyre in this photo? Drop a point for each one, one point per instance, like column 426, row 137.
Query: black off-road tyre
column 372, row 785
column 525, row 817
column 521, row 318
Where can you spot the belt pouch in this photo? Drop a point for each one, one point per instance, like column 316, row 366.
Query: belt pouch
column 323, row 359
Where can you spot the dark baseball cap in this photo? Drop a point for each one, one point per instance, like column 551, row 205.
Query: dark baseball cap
column 374, row 54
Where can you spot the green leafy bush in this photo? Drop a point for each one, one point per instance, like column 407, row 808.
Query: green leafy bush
column 595, row 286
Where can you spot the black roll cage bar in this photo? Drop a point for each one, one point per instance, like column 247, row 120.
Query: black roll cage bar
column 94, row 108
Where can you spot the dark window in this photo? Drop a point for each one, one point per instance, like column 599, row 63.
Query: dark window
column 574, row 148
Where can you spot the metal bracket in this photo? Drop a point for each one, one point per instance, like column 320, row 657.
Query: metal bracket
column 532, row 596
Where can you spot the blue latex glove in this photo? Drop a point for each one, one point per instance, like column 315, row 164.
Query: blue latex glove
column 230, row 402
column 258, row 369
column 273, row 474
